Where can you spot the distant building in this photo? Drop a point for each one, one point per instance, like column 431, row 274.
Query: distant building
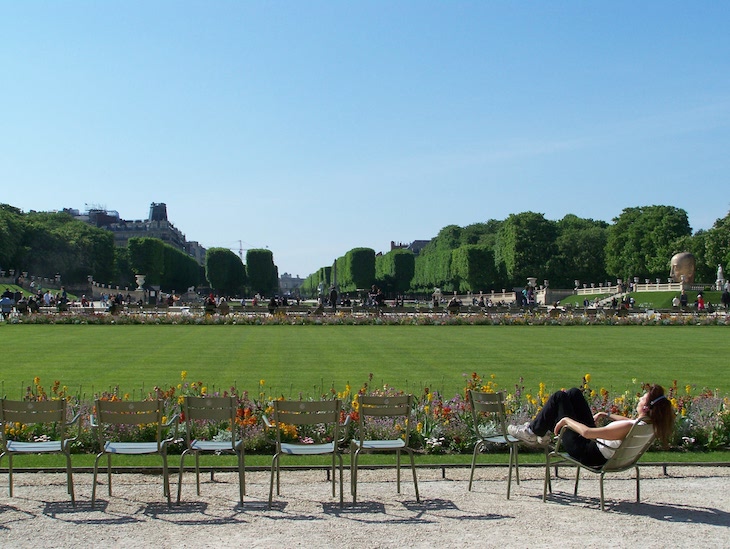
column 155, row 226
column 416, row 246
column 289, row 284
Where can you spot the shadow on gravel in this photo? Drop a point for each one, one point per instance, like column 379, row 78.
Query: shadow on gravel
column 83, row 513
column 189, row 514
column 676, row 513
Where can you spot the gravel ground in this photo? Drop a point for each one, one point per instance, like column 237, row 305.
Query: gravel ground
column 689, row 507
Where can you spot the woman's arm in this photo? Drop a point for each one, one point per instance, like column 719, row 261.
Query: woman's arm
column 613, row 417
column 613, row 431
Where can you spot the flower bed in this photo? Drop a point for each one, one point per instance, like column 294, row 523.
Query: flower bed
column 441, row 425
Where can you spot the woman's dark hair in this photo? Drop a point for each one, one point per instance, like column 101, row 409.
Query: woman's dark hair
column 660, row 411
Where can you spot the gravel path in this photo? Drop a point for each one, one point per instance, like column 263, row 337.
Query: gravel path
column 688, row 508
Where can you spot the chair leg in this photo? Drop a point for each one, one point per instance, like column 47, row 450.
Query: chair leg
column 353, row 475
column 397, row 469
column 10, row 473
column 241, row 476
column 477, row 449
column 517, row 462
column 94, row 483
column 577, row 478
column 601, row 486
column 70, row 480
column 109, row 472
column 165, row 478
column 180, row 475
column 547, row 485
column 274, row 471
column 196, row 454
column 638, row 481
column 509, row 470
column 415, row 479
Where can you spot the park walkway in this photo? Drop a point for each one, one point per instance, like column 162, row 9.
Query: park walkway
column 689, row 507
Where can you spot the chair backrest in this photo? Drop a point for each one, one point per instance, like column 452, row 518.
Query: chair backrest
column 488, row 403
column 128, row 412
column 385, row 407
column 637, row 441
column 27, row 412
column 218, row 409
column 301, row 412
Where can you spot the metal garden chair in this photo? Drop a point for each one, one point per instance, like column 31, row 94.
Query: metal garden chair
column 26, row 412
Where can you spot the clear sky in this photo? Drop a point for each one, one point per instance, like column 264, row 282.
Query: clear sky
column 314, row 127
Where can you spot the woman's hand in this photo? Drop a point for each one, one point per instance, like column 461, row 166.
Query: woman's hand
column 559, row 425
column 599, row 415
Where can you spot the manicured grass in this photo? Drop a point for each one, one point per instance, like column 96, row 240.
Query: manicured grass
column 645, row 300
column 313, row 359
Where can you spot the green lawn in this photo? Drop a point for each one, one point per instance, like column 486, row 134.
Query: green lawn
column 312, row 359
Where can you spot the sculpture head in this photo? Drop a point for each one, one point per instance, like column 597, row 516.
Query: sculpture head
column 683, row 263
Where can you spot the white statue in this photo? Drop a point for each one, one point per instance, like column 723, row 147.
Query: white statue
column 720, row 282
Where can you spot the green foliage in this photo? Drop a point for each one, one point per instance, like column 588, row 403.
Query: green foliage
column 356, row 269
column 525, row 244
column 394, row 271
column 263, row 277
column 146, row 256
column 579, row 252
column 50, row 243
column 473, row 268
column 224, row 271
column 717, row 245
column 640, row 242
column 180, row 270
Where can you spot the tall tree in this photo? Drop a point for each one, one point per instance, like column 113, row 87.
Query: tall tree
column 640, row 241
column 525, row 243
column 263, row 277
column 146, row 256
column 579, row 252
column 225, row 272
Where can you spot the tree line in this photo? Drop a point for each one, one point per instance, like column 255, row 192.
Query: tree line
column 50, row 243
column 502, row 254
column 484, row 256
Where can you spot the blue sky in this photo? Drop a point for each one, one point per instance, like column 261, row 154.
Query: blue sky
column 315, row 127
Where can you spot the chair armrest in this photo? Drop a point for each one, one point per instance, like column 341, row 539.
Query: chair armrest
column 92, row 421
column 267, row 421
column 74, row 421
column 173, row 421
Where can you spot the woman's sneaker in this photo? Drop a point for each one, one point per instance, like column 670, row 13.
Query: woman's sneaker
column 523, row 432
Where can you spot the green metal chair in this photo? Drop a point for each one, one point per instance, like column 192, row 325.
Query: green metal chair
column 490, row 427
column 324, row 413
column 25, row 412
column 207, row 409
column 116, row 413
column 625, row 457
column 396, row 410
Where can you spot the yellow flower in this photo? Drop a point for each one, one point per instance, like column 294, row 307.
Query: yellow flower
column 688, row 389
column 183, row 375
column 36, row 380
column 180, row 399
column 587, row 378
column 262, row 382
column 419, row 427
column 126, row 396
column 203, row 390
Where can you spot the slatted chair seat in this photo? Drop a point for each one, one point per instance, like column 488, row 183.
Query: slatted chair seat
column 51, row 446
column 307, row 449
column 625, row 457
column 131, row 448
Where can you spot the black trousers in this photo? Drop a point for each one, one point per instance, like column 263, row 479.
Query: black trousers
column 571, row 404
